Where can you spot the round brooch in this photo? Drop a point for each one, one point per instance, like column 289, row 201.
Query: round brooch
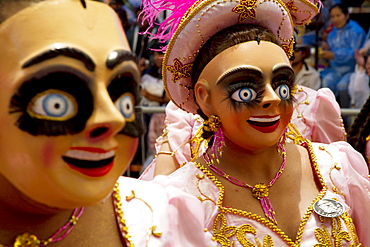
column 328, row 208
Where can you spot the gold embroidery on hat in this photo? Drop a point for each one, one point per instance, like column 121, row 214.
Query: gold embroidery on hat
column 288, row 48
column 291, row 7
column 246, row 9
column 179, row 70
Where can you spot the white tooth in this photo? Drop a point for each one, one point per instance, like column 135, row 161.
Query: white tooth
column 264, row 119
column 85, row 155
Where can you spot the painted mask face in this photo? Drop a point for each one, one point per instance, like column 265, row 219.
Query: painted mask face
column 68, row 90
column 250, row 87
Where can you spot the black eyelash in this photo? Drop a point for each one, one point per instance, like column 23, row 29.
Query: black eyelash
column 120, row 85
column 231, row 88
column 250, row 104
column 56, row 80
column 290, row 84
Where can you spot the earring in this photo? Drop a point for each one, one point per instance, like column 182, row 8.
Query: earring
column 212, row 124
column 212, row 127
column 281, row 143
column 218, row 144
column 204, row 135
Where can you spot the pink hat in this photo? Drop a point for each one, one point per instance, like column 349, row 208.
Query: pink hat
column 191, row 24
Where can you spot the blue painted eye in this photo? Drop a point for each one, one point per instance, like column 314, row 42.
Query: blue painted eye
column 283, row 91
column 244, row 95
column 125, row 104
column 53, row 105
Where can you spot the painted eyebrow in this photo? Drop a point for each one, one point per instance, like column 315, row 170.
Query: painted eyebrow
column 116, row 57
column 62, row 51
column 281, row 66
column 246, row 69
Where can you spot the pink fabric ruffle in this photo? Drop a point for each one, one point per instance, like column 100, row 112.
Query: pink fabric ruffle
column 317, row 115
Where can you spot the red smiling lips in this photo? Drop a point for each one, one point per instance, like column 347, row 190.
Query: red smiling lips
column 92, row 162
column 264, row 124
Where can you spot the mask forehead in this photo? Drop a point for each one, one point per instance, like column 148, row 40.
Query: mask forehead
column 263, row 56
column 95, row 29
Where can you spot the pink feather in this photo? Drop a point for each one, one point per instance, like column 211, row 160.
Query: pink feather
column 151, row 9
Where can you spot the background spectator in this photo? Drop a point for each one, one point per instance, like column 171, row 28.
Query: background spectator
column 306, row 75
column 359, row 88
column 342, row 42
column 152, row 90
column 359, row 134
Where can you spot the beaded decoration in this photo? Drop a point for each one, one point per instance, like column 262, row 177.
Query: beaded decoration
column 260, row 191
column 222, row 233
column 212, row 124
column 28, row 239
column 121, row 220
column 294, row 134
column 119, row 213
column 218, row 144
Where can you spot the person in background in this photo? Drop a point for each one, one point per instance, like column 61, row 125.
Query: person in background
column 346, row 37
column 361, row 88
column 306, row 75
column 152, row 90
column 359, row 85
column 359, row 133
column 125, row 13
column 69, row 129
column 151, row 86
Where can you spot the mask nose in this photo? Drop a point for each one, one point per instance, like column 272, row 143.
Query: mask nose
column 270, row 97
column 98, row 132
column 106, row 120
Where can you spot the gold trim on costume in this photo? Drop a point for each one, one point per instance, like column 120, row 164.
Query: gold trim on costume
column 121, row 220
column 333, row 167
column 223, row 233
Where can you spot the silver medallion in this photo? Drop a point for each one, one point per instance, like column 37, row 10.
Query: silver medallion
column 328, row 208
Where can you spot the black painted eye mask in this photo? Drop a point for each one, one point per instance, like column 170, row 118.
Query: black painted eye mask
column 60, row 103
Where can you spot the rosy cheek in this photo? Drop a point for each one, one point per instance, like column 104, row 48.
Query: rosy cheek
column 287, row 115
column 48, row 154
column 134, row 145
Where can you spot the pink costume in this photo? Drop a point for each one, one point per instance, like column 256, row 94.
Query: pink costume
column 180, row 128
column 161, row 217
column 334, row 163
column 340, row 172
column 316, row 115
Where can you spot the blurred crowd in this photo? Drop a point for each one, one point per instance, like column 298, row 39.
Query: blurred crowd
column 340, row 46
